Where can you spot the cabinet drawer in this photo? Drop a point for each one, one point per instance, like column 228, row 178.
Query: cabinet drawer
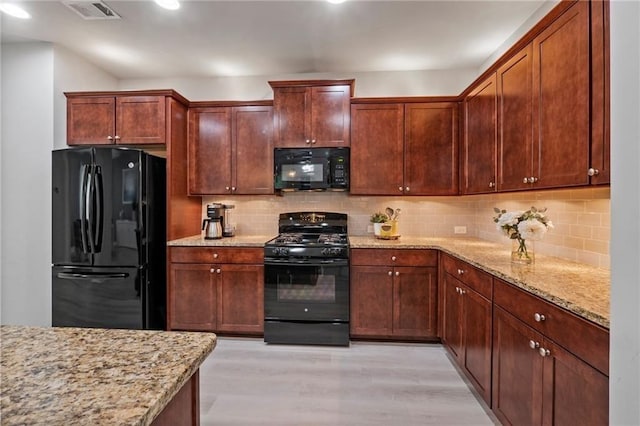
column 470, row 275
column 216, row 255
column 394, row 257
column 585, row 339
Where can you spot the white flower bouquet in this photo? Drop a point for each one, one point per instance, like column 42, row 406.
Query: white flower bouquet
column 522, row 226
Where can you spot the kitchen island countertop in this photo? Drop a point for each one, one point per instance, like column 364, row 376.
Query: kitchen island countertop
column 65, row 376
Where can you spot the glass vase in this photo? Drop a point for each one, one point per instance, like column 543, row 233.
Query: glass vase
column 522, row 251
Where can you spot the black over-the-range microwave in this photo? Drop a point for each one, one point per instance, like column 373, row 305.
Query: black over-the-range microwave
column 311, row 169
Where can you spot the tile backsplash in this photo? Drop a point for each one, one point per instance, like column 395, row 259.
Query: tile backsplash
column 581, row 216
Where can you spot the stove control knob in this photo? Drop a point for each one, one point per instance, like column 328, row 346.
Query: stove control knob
column 280, row 251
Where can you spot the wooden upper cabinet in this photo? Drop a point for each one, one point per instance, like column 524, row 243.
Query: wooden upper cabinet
column 431, row 149
column 515, row 136
column 230, row 150
column 377, row 140
column 116, row 119
column 209, row 156
column 480, row 138
column 312, row 113
column 561, row 79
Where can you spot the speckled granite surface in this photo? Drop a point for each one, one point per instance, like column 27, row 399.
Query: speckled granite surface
column 237, row 241
column 580, row 288
column 81, row 376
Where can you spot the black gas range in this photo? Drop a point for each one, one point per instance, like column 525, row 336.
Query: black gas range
column 307, row 280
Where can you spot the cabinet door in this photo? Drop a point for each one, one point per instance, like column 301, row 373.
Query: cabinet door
column 517, row 371
column 481, row 125
column 574, row 392
column 330, row 115
column 414, row 302
column 140, row 120
column 209, row 159
column 291, row 123
column 431, row 149
column 371, row 301
column 192, row 297
column 452, row 316
column 476, row 327
column 377, row 137
column 515, row 156
column 241, row 299
column 91, row 121
column 561, row 78
column 252, row 136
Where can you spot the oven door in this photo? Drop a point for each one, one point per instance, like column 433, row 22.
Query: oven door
column 306, row 290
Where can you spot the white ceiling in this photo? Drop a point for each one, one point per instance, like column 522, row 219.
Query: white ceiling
column 244, row 38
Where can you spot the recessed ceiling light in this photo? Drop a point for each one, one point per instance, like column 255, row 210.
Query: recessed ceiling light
column 336, row 1
column 14, row 10
column 168, row 4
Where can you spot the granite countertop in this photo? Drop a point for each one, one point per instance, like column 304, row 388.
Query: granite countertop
column 579, row 288
column 237, row 241
column 65, row 376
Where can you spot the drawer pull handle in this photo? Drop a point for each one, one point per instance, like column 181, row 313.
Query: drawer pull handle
column 533, row 344
column 544, row 352
column 393, row 258
column 539, row 317
column 215, row 255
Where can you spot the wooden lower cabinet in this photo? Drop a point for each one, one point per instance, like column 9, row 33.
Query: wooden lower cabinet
column 535, row 381
column 218, row 297
column 184, row 407
column 394, row 301
column 466, row 332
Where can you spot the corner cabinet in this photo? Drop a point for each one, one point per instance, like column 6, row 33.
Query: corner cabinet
column 230, row 150
column 216, row 289
column 393, row 294
column 412, row 146
column 122, row 118
column 312, row 113
column 549, row 366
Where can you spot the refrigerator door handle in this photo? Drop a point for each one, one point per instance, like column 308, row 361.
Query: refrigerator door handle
column 99, row 216
column 75, row 275
column 84, row 206
column 90, row 209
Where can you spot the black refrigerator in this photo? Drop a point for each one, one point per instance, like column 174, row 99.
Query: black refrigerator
column 109, row 238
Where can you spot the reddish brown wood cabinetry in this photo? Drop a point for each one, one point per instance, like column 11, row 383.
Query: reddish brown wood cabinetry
column 230, row 150
column 312, row 113
column 413, row 147
column 393, row 301
column 480, row 133
column 94, row 119
column 549, row 366
column 466, row 320
column 216, row 289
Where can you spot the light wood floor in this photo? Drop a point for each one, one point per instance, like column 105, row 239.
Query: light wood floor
column 247, row 382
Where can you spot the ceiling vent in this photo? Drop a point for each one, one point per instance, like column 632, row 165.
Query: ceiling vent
column 91, row 10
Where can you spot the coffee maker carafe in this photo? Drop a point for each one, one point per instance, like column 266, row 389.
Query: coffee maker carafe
column 213, row 226
column 228, row 221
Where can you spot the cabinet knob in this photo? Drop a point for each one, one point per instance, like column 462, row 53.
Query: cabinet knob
column 534, row 179
column 534, row 345
column 539, row 317
column 397, row 274
column 462, row 291
column 400, row 188
column 308, row 141
column 393, row 258
column 390, row 273
column 313, row 141
column 406, row 188
column 525, row 180
column 109, row 138
column 544, row 352
column 215, row 255
column 117, row 137
column 460, row 271
column 227, row 188
column 212, row 270
column 218, row 271
column 492, row 184
column 593, row 172
column 233, row 188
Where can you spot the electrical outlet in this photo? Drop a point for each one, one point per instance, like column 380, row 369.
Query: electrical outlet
column 370, row 229
column 459, row 229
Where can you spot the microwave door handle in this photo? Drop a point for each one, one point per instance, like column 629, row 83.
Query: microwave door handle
column 84, row 205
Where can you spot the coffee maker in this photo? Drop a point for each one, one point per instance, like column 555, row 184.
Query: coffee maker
column 213, row 226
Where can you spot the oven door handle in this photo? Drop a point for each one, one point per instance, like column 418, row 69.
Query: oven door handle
column 306, row 262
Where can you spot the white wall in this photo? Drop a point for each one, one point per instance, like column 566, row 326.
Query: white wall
column 34, row 77
column 625, row 213
column 27, row 138
column 368, row 84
